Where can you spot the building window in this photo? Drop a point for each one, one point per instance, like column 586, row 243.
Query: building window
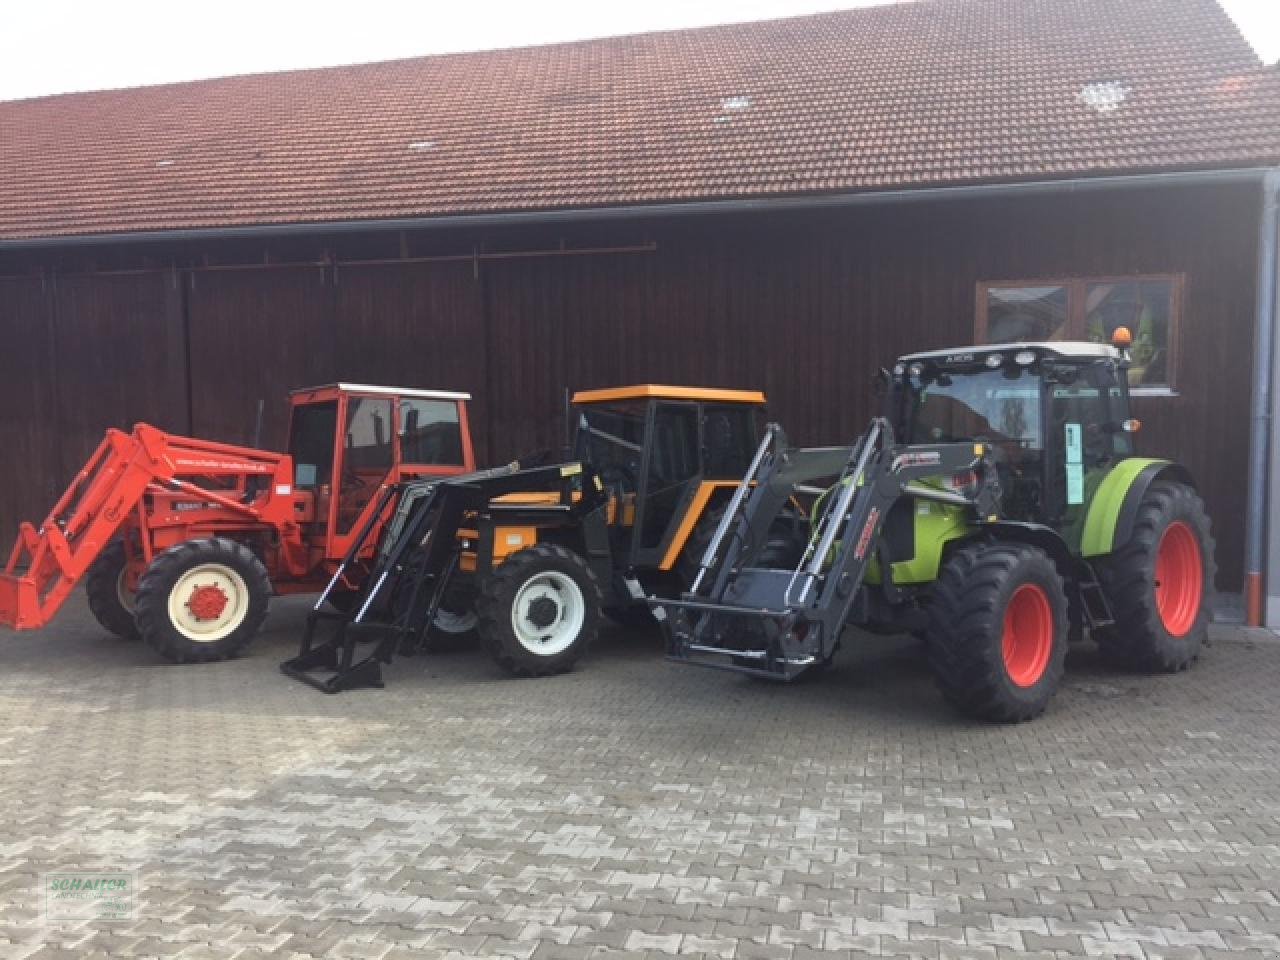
column 1090, row 308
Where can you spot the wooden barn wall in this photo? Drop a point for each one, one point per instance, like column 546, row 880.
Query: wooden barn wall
column 806, row 306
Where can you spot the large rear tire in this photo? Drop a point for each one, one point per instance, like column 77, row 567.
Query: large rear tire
column 203, row 600
column 111, row 601
column 998, row 631
column 539, row 611
column 1159, row 584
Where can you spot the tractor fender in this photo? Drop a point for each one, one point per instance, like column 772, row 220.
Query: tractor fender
column 1032, row 534
column 1114, row 506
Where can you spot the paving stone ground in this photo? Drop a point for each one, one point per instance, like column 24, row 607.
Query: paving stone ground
column 635, row 807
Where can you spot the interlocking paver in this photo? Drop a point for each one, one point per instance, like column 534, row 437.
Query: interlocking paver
column 634, row 808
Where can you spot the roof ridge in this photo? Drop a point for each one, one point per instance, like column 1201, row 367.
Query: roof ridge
column 889, row 97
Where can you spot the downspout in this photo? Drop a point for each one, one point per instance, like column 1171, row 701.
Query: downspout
column 1260, row 439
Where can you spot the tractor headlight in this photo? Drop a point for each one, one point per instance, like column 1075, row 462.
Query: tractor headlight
column 899, row 370
column 1024, row 358
column 994, row 360
column 916, row 369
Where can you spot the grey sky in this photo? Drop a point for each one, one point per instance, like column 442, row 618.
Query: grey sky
column 63, row 45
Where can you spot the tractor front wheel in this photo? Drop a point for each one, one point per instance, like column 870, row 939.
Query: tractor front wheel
column 202, row 600
column 539, row 611
column 110, row 599
column 998, row 631
column 1159, row 583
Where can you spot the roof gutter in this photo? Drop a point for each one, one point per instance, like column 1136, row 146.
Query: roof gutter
column 772, row 204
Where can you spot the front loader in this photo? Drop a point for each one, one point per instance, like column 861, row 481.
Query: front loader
column 538, row 607
column 997, row 510
column 181, row 541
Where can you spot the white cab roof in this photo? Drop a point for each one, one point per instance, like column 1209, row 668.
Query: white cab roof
column 392, row 391
column 1081, row 349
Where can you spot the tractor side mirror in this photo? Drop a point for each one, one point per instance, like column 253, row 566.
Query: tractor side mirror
column 880, row 384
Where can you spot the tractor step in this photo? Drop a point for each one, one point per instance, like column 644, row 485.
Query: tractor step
column 1093, row 600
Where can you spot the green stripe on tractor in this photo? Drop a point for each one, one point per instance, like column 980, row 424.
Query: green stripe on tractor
column 936, row 525
column 1099, row 532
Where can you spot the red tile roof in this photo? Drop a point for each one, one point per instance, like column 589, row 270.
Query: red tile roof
column 935, row 92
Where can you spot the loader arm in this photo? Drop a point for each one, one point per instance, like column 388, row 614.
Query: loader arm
column 776, row 622
column 48, row 561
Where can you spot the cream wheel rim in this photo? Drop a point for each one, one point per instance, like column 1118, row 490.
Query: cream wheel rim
column 123, row 594
column 208, row 602
column 548, row 613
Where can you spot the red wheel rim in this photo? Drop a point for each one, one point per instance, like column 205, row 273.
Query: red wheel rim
column 1028, row 635
column 1179, row 578
column 207, row 602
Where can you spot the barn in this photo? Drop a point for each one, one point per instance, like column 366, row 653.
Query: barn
column 785, row 205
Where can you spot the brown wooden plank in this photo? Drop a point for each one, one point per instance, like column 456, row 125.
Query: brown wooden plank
column 27, row 437
column 119, row 358
column 255, row 335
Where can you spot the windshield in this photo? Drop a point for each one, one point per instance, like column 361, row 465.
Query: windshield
column 611, row 439
column 1002, row 406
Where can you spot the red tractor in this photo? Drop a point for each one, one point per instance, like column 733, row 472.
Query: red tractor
column 181, row 541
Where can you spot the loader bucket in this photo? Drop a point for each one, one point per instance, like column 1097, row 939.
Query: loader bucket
column 19, row 603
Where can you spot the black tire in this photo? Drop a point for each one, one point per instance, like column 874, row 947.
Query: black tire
column 105, row 592
column 233, row 568
column 555, row 579
column 967, row 620
column 456, row 625
column 788, row 536
column 1140, row 638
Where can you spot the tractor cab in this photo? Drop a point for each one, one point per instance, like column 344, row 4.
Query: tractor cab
column 1054, row 415
column 664, row 454
column 347, row 440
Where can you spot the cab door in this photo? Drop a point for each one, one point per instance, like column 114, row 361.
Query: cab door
column 672, row 473
column 365, row 456
column 312, row 429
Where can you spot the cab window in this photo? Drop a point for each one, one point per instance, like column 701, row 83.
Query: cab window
column 612, row 440
column 430, row 432
column 673, row 462
column 311, row 433
column 367, row 456
column 728, row 441
column 368, row 434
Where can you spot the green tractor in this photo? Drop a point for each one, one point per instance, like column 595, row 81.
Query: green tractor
column 997, row 509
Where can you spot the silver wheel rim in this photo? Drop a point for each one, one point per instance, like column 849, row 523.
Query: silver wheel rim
column 446, row 621
column 194, row 621
column 548, row 613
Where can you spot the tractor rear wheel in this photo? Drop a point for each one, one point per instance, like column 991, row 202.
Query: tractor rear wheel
column 1159, row 583
column 202, row 600
column 539, row 611
column 998, row 631
column 110, row 599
